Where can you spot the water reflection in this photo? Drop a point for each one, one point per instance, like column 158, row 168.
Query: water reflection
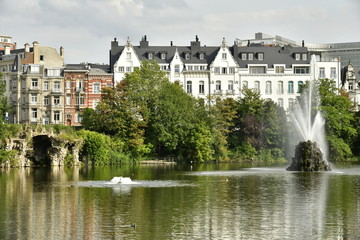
column 229, row 202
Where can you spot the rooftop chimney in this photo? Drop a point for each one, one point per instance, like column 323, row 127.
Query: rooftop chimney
column 27, row 47
column 36, row 52
column 62, row 52
column 7, row 50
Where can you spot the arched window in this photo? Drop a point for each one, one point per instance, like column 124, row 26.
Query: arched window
column 257, row 86
column 290, row 87
column 280, row 89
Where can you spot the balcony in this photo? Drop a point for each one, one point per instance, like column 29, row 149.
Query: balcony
column 218, row 92
column 79, row 90
column 34, row 89
column 56, row 91
column 230, row 92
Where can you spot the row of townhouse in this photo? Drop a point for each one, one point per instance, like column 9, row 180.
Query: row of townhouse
column 277, row 73
column 42, row 89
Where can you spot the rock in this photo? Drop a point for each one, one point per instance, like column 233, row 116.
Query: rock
column 308, row 158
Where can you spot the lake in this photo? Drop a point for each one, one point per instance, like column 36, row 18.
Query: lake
column 217, row 201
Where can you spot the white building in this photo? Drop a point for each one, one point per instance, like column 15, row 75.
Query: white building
column 277, row 72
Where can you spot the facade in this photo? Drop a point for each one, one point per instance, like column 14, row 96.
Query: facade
column 83, row 84
column 35, row 83
column 343, row 52
column 6, row 43
column 277, row 72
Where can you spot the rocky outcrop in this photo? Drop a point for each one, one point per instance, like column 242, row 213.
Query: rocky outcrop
column 40, row 148
column 308, row 158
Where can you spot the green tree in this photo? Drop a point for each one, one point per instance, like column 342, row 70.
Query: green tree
column 340, row 120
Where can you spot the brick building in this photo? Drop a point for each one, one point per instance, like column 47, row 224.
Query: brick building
column 83, row 84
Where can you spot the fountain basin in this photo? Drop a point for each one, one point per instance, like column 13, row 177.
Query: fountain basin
column 308, row 158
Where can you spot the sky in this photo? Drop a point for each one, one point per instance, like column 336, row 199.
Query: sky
column 85, row 28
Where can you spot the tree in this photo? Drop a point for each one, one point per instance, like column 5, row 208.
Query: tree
column 340, row 120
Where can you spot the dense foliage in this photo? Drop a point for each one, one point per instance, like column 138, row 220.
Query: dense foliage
column 4, row 106
column 155, row 117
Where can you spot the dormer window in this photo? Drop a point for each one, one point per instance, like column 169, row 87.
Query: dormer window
column 243, row 56
column 297, row 56
column 304, row 56
column 187, row 56
column 150, row 55
column 163, row 56
column 260, row 56
column 251, row 56
column 201, row 56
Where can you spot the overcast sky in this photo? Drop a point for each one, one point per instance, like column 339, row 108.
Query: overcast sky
column 85, row 28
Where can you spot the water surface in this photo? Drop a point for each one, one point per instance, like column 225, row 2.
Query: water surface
column 225, row 201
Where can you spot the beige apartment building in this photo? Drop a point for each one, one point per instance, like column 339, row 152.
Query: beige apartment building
column 35, row 84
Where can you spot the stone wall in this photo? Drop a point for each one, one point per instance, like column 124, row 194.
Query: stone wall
column 41, row 148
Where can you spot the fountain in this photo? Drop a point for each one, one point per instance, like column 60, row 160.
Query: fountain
column 311, row 153
column 122, row 180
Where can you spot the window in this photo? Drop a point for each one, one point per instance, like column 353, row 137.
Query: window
column 163, row 56
column 34, row 84
column 121, row 69
column 281, row 102
column 223, row 56
column 79, row 86
column 291, row 102
column 257, row 86
column 231, row 70
column 202, row 68
column 245, row 84
column 321, row 72
column 56, row 116
column 56, row 100
column 189, row 87
column 33, row 98
column 190, row 68
column 300, row 86
column 279, row 69
column 201, row 56
column 187, row 56
column 260, row 56
column 128, row 69
column 34, row 114
column 291, row 87
column 257, row 70
column 217, row 70
column 333, row 73
column 230, row 87
column 177, row 69
column 53, row 72
column 297, row 56
column 150, row 55
column 218, row 86
column 201, row 87
column 350, row 86
column 304, row 56
column 95, row 103
column 78, row 117
column 68, row 84
column 251, row 56
column 46, row 101
column 80, row 100
column 243, row 56
column 68, row 99
column 163, row 67
column 280, row 89
column 268, row 89
column 41, row 57
column 301, row 70
column 34, row 68
column 128, row 55
column 97, row 88
column 196, row 68
column 224, row 70
column 56, row 86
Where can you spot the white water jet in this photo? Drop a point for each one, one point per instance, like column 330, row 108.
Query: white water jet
column 122, row 180
column 308, row 120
